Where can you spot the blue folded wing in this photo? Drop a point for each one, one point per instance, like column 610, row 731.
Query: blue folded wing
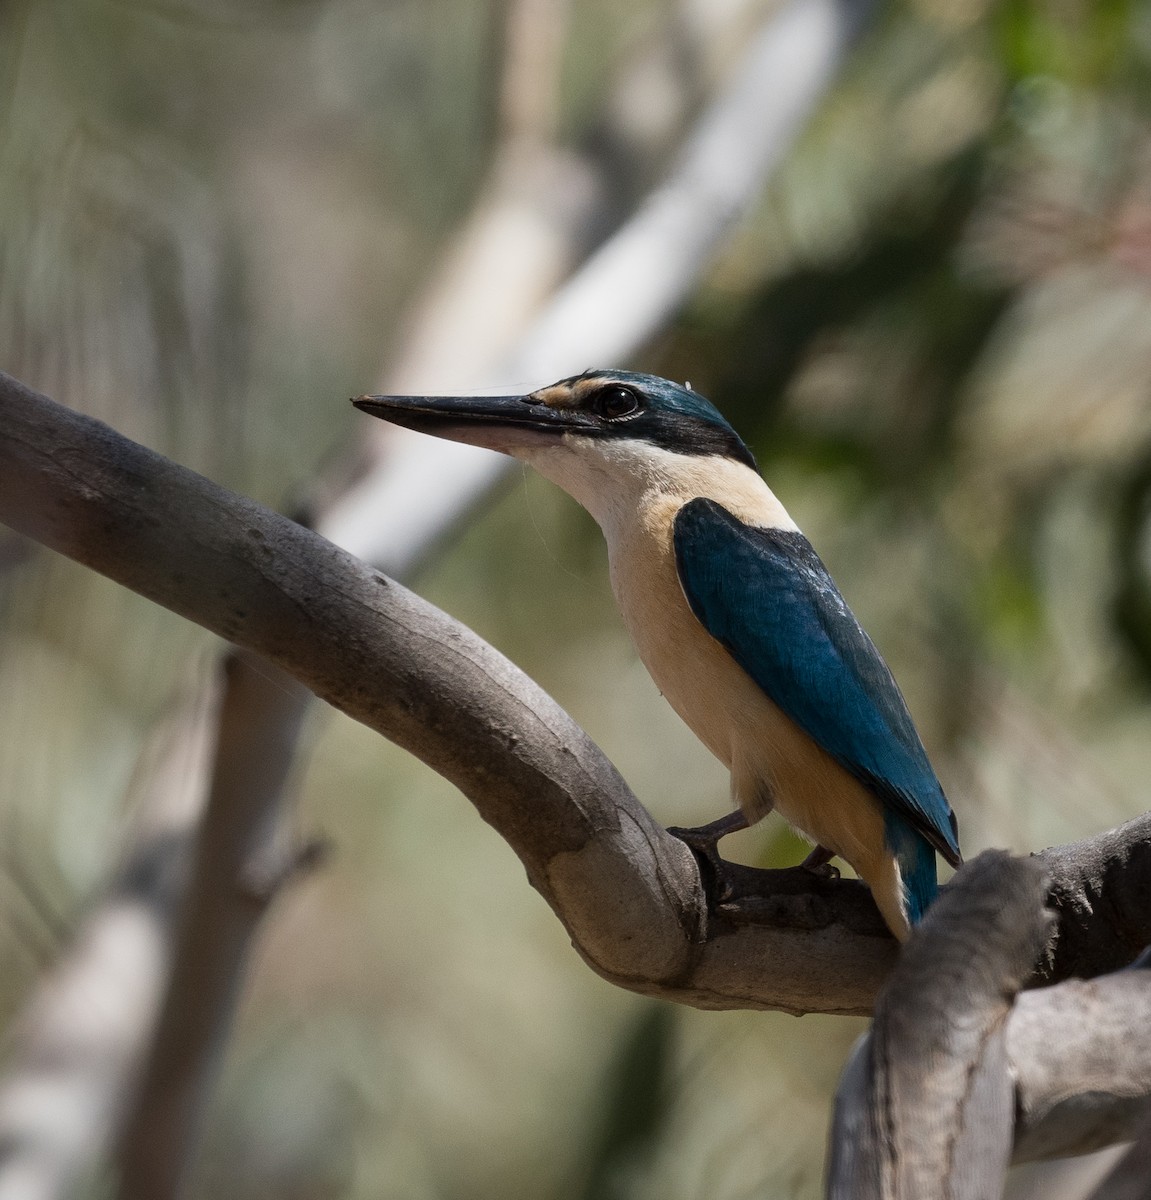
column 766, row 595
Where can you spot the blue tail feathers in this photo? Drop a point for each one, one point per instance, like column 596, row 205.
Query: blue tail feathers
column 916, row 858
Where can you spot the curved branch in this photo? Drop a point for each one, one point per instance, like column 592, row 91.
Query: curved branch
column 629, row 894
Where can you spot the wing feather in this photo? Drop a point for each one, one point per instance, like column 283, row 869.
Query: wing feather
column 767, row 597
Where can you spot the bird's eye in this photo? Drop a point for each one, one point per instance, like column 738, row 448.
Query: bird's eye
column 616, row 401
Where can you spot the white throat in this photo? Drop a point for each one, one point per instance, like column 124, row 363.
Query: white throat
column 618, row 480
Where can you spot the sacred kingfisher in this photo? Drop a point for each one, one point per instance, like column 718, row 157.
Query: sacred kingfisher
column 735, row 617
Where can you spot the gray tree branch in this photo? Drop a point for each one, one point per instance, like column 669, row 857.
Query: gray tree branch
column 628, row 893
column 1101, row 1044
column 1101, row 890
column 964, row 1072
column 925, row 1105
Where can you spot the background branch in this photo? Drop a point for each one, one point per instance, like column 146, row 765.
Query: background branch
column 1128, row 1178
column 621, row 296
column 238, row 865
column 85, row 1028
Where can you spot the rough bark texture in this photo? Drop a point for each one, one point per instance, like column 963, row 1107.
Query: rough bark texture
column 1101, row 891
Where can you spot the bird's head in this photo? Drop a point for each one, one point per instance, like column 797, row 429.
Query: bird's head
column 606, row 437
column 586, row 414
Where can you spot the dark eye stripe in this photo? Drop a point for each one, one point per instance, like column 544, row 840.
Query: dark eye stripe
column 683, row 422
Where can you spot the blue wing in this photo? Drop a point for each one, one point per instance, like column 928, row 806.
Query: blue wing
column 766, row 595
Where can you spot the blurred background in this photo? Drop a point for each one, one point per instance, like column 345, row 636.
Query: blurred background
column 220, row 220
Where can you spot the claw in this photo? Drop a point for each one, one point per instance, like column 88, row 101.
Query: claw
column 703, row 842
column 818, row 862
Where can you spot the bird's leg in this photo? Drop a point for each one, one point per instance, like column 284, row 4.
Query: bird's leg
column 817, row 861
column 703, row 840
column 705, row 837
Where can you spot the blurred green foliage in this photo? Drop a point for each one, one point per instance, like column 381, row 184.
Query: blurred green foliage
column 936, row 333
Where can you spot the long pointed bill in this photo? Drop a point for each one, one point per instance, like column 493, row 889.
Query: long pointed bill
column 497, row 422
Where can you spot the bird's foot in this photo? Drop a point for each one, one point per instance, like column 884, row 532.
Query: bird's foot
column 818, row 862
column 703, row 842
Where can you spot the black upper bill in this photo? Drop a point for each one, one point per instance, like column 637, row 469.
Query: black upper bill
column 442, row 414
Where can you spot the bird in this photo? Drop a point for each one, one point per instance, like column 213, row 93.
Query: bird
column 735, row 617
